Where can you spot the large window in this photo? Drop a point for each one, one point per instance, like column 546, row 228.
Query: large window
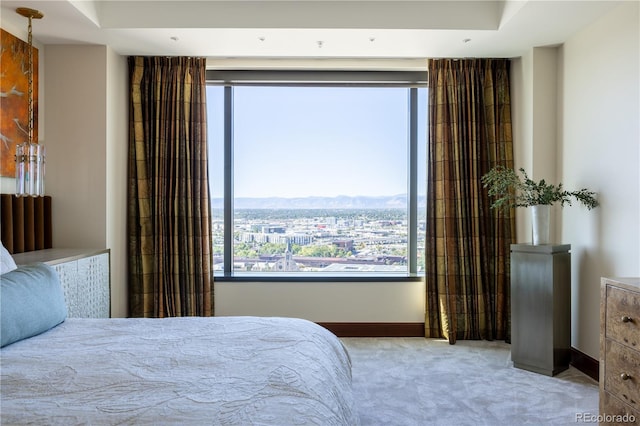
column 320, row 177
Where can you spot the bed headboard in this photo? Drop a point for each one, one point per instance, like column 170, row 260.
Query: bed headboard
column 25, row 223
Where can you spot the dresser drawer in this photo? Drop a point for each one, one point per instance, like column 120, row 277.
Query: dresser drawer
column 622, row 373
column 623, row 316
column 614, row 412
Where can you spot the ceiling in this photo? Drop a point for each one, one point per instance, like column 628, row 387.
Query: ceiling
column 240, row 29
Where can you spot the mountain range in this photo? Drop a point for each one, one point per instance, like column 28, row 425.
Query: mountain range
column 398, row 201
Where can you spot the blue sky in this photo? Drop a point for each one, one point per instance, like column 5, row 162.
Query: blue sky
column 313, row 141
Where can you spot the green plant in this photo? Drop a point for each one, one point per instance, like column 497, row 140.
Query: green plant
column 511, row 190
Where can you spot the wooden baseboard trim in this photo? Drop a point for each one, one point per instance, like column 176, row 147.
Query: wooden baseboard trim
column 375, row 329
column 579, row 360
column 586, row 364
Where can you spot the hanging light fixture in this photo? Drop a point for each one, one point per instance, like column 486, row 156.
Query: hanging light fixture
column 30, row 155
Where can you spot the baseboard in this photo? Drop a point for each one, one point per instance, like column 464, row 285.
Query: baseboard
column 579, row 360
column 375, row 329
column 586, row 364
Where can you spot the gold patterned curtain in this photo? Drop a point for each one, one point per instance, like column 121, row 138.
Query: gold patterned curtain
column 170, row 248
column 468, row 243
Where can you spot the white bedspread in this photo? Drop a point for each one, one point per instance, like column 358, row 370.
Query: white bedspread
column 191, row 371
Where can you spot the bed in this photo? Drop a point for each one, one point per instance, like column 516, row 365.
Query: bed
column 191, row 370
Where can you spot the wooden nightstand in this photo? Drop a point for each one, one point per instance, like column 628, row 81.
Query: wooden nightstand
column 620, row 351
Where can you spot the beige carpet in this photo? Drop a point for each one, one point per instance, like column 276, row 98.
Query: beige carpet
column 415, row 381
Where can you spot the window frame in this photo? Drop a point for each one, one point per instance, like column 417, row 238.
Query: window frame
column 411, row 80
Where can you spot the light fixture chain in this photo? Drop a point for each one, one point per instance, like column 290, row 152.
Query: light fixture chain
column 30, row 83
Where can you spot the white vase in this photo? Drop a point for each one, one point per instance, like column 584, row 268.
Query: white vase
column 540, row 222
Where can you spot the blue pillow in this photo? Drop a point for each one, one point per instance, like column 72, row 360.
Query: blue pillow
column 31, row 302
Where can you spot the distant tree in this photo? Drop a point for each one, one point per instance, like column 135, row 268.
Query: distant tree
column 244, row 250
column 272, row 248
column 397, row 251
column 323, row 251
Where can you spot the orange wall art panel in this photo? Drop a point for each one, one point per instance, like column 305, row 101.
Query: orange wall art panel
column 14, row 98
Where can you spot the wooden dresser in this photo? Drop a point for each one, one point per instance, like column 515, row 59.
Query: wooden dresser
column 620, row 351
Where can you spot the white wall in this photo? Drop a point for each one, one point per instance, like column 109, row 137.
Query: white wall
column 74, row 115
column 116, row 179
column 86, row 120
column 535, row 120
column 600, row 134
column 324, row 301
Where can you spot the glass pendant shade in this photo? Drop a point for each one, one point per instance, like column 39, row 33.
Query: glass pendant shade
column 21, row 166
column 40, row 173
column 30, row 169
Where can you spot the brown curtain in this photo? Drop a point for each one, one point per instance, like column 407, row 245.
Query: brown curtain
column 170, row 248
column 468, row 243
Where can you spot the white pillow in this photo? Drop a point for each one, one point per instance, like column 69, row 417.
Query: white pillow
column 7, row 264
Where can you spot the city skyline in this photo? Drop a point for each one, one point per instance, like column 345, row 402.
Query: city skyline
column 308, row 240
